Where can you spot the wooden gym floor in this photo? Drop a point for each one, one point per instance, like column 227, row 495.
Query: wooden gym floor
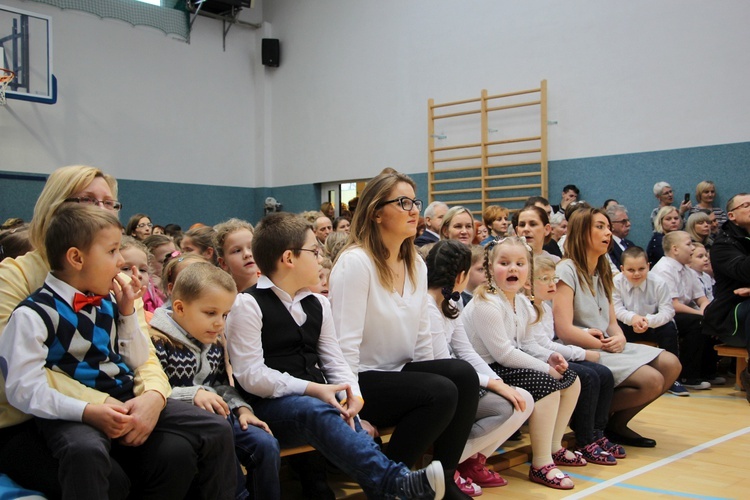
column 702, row 453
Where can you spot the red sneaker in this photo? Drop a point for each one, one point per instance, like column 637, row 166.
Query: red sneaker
column 476, row 470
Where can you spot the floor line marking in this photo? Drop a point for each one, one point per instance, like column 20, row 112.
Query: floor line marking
column 659, row 463
column 647, row 489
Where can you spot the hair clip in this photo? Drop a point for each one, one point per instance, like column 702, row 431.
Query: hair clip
column 449, row 294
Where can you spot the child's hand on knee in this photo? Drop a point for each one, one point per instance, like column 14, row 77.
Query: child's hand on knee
column 112, row 420
column 212, row 402
column 246, row 418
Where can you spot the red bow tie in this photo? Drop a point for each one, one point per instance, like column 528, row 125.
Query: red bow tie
column 80, row 301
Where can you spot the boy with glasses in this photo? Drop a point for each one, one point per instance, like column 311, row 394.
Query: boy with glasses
column 288, row 364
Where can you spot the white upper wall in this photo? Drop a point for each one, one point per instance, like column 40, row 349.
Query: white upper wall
column 141, row 105
column 351, row 94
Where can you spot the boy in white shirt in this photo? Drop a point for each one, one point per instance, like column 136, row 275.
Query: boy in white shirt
column 689, row 301
column 643, row 306
column 288, row 364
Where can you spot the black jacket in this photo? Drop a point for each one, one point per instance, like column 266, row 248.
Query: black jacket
column 730, row 259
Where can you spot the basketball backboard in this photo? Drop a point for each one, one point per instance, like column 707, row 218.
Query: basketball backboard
column 26, row 49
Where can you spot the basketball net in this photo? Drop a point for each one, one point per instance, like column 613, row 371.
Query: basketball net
column 6, row 76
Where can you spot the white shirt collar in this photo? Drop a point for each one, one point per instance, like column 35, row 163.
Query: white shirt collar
column 264, row 282
column 61, row 288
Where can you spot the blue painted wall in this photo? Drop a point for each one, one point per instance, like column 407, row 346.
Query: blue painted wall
column 627, row 178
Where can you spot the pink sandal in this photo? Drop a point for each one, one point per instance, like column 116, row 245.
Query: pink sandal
column 539, row 475
column 559, row 458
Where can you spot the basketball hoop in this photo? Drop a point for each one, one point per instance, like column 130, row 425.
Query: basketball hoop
column 6, row 76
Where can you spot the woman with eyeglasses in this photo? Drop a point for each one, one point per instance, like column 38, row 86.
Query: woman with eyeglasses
column 164, row 465
column 139, row 227
column 378, row 290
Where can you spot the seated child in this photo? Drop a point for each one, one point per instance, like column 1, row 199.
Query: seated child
column 175, row 263
column 136, row 259
column 701, row 264
column 502, row 409
column 591, row 413
column 233, row 244
column 94, row 338
column 159, row 246
column 188, row 342
column 689, row 300
column 325, row 272
column 643, row 306
column 285, row 352
column 476, row 274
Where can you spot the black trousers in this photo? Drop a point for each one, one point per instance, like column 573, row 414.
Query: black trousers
column 188, row 446
column 429, row 403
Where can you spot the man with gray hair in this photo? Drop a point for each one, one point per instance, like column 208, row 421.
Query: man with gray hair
column 664, row 193
column 618, row 216
column 433, row 221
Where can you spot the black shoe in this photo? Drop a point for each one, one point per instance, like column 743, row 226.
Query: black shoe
column 638, row 442
column 745, row 379
column 425, row 483
column 517, row 436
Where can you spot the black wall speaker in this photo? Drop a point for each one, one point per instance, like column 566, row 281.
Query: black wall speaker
column 271, row 52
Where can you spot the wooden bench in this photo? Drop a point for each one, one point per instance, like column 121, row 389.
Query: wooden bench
column 385, row 435
column 735, row 352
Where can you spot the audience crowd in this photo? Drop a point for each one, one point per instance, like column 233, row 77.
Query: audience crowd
column 142, row 361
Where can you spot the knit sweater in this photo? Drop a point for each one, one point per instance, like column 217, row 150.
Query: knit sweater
column 191, row 365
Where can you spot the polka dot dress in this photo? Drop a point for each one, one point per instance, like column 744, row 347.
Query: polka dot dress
column 537, row 383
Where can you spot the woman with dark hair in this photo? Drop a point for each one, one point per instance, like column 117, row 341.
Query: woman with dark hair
column 378, row 290
column 584, row 316
column 139, row 227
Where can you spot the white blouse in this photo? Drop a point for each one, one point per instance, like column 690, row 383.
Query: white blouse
column 449, row 340
column 378, row 329
column 497, row 332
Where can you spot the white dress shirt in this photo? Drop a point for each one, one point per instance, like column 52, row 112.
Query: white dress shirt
column 244, row 326
column 682, row 282
column 650, row 299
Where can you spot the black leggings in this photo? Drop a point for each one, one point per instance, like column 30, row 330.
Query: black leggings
column 429, row 403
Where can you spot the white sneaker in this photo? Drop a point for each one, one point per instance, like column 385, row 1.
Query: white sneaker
column 698, row 385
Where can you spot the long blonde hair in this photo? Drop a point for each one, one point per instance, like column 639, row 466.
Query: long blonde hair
column 61, row 184
column 365, row 231
column 579, row 234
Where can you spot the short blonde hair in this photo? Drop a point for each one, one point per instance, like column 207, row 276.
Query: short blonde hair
column 75, row 225
column 671, row 239
column 663, row 212
column 701, row 188
column 61, row 184
column 450, row 215
column 196, row 278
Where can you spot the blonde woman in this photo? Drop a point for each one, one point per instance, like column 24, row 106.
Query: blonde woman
column 667, row 220
column 165, row 465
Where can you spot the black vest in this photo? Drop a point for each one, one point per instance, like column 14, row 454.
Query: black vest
column 288, row 347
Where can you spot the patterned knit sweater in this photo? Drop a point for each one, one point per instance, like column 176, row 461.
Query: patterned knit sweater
column 189, row 364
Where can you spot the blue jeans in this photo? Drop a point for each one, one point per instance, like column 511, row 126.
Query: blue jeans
column 259, row 452
column 298, row 420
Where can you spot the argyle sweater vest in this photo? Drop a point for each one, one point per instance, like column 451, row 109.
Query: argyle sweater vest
column 80, row 344
column 288, row 347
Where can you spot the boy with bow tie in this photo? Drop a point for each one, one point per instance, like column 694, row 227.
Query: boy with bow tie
column 93, row 337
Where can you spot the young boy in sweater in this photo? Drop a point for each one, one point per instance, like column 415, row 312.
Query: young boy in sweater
column 188, row 342
column 285, row 352
column 94, row 338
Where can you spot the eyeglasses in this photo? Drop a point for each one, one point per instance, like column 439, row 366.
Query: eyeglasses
column 548, row 279
column 406, row 203
column 741, row 206
column 623, row 221
column 144, row 224
column 113, row 205
column 315, row 251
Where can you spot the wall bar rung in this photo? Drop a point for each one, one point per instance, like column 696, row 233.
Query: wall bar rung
column 460, row 113
column 511, row 141
column 459, row 146
column 511, row 106
column 511, row 94
column 463, row 179
column 457, row 158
